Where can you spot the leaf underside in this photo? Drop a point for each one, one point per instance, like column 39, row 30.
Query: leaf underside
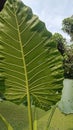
column 28, row 65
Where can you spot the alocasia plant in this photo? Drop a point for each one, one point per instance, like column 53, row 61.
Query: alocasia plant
column 31, row 64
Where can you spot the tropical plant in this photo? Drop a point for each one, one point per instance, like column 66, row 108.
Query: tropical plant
column 31, row 68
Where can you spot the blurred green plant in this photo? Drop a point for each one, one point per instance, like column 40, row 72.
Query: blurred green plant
column 9, row 127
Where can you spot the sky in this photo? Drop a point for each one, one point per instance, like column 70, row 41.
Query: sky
column 52, row 12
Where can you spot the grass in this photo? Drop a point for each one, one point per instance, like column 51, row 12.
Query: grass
column 17, row 116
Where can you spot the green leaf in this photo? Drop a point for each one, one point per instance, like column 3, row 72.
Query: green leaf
column 32, row 65
column 9, row 127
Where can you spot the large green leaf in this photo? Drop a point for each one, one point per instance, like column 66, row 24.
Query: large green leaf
column 32, row 65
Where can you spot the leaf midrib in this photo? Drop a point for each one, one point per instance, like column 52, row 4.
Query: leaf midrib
column 26, row 77
column 22, row 53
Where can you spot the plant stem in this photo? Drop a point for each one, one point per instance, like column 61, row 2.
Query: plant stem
column 30, row 112
column 50, row 117
column 35, row 119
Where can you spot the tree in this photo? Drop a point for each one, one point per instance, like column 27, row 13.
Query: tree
column 67, row 49
column 68, row 26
